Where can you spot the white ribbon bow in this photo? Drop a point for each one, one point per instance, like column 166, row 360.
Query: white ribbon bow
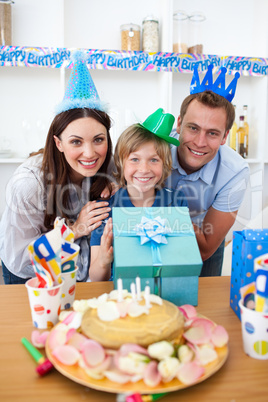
column 152, row 230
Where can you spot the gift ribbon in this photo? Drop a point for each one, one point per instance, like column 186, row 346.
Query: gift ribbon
column 154, row 230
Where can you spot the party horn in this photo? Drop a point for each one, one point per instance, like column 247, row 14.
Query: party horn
column 44, row 365
column 144, row 398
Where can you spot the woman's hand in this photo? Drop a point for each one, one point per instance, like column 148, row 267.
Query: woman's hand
column 106, row 193
column 91, row 216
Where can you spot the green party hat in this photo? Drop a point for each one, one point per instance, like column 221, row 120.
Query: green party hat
column 160, row 124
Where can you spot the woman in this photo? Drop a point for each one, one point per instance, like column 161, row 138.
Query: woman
column 65, row 179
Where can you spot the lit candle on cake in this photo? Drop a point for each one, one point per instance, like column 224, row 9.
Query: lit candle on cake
column 133, row 291
column 147, row 296
column 138, row 288
column 119, row 290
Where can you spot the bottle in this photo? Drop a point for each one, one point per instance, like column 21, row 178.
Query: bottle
column 245, row 113
column 241, row 133
column 232, row 135
column 150, row 35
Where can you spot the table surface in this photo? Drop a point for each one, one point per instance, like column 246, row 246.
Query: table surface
column 240, row 379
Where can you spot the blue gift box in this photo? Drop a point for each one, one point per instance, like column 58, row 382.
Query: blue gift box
column 172, row 266
column 248, row 244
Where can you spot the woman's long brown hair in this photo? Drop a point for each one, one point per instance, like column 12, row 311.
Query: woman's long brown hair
column 57, row 171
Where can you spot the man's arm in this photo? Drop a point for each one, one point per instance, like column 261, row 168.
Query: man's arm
column 215, row 227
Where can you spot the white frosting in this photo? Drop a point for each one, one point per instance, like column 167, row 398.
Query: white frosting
column 110, row 309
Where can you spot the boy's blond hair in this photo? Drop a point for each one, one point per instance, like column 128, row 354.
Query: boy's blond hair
column 130, row 141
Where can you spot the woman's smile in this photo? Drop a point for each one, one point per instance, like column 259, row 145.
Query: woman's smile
column 84, row 144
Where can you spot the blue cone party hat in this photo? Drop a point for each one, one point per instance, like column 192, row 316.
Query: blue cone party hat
column 219, row 85
column 81, row 91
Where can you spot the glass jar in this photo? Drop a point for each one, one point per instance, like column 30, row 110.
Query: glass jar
column 180, row 32
column 5, row 23
column 196, row 27
column 130, row 37
column 150, row 35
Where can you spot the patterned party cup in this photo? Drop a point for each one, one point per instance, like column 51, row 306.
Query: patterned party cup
column 45, row 303
column 68, row 289
column 254, row 332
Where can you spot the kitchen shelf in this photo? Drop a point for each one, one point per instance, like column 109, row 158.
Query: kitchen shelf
column 99, row 59
column 252, row 161
column 11, row 160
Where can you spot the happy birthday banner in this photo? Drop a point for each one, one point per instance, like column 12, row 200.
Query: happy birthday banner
column 16, row 56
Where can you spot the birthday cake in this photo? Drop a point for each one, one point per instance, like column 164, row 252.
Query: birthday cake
column 135, row 338
column 114, row 323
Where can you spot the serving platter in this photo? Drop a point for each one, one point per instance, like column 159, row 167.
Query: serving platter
column 77, row 374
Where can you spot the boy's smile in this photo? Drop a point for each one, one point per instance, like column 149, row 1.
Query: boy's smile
column 143, row 170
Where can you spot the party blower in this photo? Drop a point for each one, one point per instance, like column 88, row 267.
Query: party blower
column 44, row 365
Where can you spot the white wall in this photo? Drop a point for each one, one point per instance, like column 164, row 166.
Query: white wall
column 28, row 95
column 232, row 27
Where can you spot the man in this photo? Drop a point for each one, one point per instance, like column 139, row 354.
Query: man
column 212, row 176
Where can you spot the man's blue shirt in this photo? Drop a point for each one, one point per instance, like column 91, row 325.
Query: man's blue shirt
column 221, row 183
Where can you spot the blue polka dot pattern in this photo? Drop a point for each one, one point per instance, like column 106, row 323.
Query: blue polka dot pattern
column 248, row 244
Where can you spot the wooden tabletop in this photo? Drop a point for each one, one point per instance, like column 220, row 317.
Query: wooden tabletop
column 240, row 379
